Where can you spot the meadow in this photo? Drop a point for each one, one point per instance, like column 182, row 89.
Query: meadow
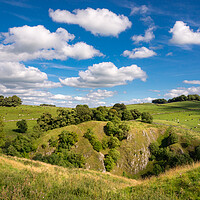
column 25, row 179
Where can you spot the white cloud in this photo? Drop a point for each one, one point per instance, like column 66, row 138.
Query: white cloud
column 182, row 91
column 142, row 52
column 36, row 97
column 105, row 74
column 16, row 75
column 141, row 10
column 99, row 22
column 146, row 38
column 197, row 82
column 28, row 43
column 137, row 101
column 183, row 35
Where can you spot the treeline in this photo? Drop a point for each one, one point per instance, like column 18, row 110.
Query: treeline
column 10, row 101
column 190, row 97
column 47, row 105
column 83, row 113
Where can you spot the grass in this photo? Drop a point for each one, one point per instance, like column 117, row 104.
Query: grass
column 183, row 114
column 24, row 179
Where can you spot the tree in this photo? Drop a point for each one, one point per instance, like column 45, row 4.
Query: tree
column 45, row 122
column 22, row 126
column 66, row 140
column 127, row 115
column 119, row 107
column 84, row 113
column 114, row 154
column 135, row 113
column 109, row 163
column 113, row 142
column 146, row 117
column 159, row 101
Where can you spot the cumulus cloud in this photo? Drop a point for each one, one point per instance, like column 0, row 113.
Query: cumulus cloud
column 17, row 75
column 105, row 74
column 36, row 97
column 142, row 52
column 28, row 43
column 137, row 101
column 182, row 91
column 99, row 22
column 183, row 35
column 195, row 82
column 146, row 38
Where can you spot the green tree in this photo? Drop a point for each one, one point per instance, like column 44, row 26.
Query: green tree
column 109, row 163
column 66, row 140
column 126, row 115
column 113, row 142
column 22, row 126
column 45, row 122
column 114, row 154
column 135, row 113
column 146, row 117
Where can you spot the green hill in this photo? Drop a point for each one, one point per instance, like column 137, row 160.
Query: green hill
column 25, row 179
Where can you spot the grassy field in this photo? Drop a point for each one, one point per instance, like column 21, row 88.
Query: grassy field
column 25, row 179
column 30, row 113
column 186, row 114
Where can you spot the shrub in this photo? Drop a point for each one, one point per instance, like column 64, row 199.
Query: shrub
column 22, row 126
column 126, row 115
column 154, row 148
column 135, row 113
column 146, row 117
column 109, row 163
column 67, row 139
column 172, row 139
column 113, row 142
column 97, row 146
column 114, row 154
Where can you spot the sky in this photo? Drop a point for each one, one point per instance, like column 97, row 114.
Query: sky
column 99, row 53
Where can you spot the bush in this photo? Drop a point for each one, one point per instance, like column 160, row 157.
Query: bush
column 22, row 126
column 154, row 148
column 97, row 146
column 109, row 163
column 114, row 154
column 146, row 117
column 135, row 113
column 66, row 140
column 126, row 115
column 113, row 142
column 172, row 139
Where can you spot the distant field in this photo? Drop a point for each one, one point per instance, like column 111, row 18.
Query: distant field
column 23, row 112
column 185, row 113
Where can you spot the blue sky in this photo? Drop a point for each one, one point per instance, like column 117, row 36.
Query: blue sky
column 99, row 52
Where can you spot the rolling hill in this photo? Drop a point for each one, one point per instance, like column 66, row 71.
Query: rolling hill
column 24, row 179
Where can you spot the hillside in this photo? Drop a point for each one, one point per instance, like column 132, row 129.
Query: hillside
column 25, row 179
column 134, row 151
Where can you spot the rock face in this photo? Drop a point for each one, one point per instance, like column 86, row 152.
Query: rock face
column 101, row 159
column 135, row 152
